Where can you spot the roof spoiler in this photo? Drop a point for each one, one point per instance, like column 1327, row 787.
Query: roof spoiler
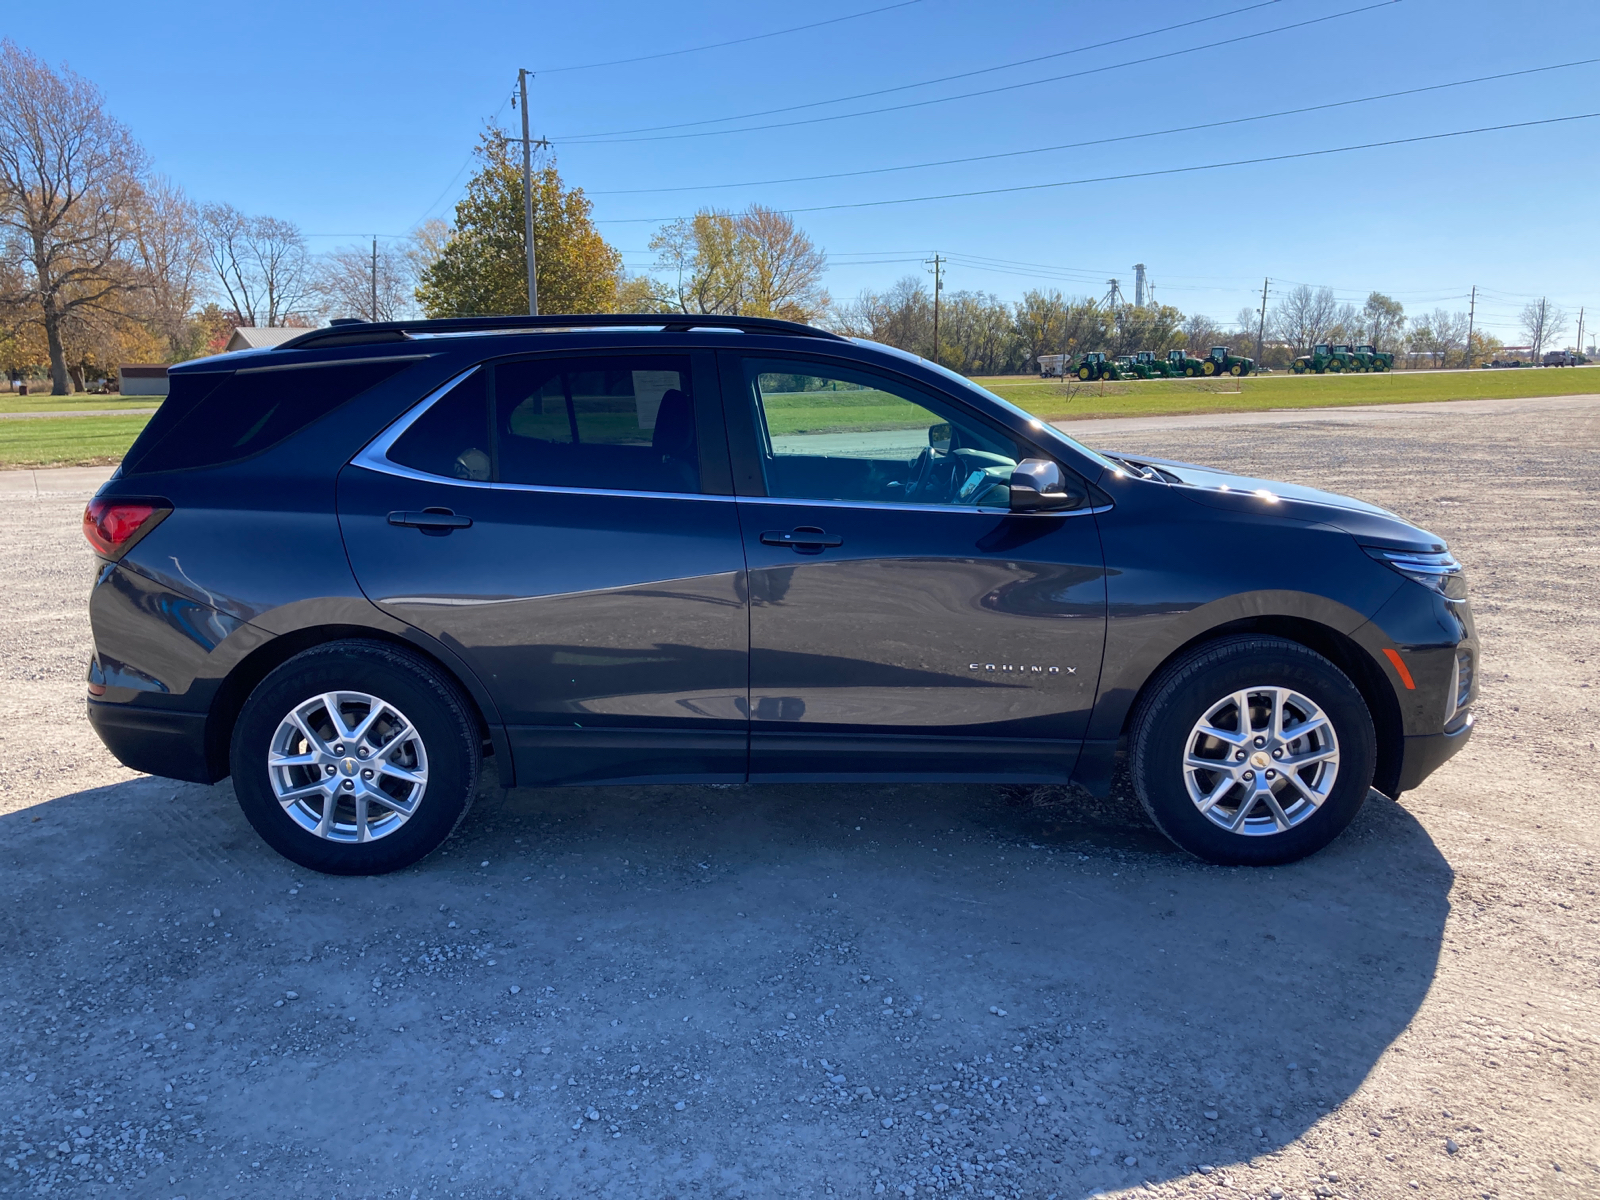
column 348, row 331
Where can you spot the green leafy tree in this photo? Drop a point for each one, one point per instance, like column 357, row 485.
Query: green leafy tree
column 482, row 271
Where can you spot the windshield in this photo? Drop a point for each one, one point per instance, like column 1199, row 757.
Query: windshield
column 962, row 383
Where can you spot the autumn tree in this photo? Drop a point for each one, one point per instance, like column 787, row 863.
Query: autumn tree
column 169, row 255
column 757, row 263
column 69, row 185
column 482, row 268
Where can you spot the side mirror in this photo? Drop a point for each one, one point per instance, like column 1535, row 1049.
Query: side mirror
column 1039, row 485
column 939, row 436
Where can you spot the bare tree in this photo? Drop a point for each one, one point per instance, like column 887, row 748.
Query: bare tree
column 1542, row 324
column 69, row 182
column 1200, row 333
column 261, row 264
column 1305, row 316
column 351, row 279
column 171, row 259
column 1439, row 335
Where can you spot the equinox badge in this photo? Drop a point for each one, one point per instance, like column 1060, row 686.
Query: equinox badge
column 1020, row 669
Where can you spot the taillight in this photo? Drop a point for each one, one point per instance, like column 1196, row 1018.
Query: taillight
column 113, row 525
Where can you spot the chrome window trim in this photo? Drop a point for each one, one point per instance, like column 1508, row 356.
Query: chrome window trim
column 375, row 457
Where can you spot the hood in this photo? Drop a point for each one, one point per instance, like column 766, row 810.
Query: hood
column 1367, row 523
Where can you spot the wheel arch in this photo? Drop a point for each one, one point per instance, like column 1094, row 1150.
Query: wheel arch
column 255, row 666
column 1338, row 648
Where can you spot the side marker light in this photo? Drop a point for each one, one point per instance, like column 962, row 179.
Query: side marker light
column 1400, row 666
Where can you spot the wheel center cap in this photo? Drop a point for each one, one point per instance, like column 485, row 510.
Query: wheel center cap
column 1259, row 759
column 349, row 765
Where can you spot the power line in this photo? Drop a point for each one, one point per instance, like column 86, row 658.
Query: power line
column 1211, row 47
column 1240, row 162
column 1127, row 137
column 755, row 37
column 904, row 87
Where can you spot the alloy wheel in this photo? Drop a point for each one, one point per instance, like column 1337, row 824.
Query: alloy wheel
column 348, row 766
column 1261, row 760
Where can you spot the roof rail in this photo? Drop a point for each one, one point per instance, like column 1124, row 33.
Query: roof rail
column 348, row 332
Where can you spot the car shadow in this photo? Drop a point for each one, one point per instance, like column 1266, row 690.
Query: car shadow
column 1150, row 1015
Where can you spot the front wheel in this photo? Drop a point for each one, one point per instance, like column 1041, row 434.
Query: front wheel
column 355, row 758
column 1252, row 751
column 1236, row 370
column 1209, row 367
column 1189, row 371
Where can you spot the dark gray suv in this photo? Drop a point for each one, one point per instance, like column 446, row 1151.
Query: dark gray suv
column 710, row 549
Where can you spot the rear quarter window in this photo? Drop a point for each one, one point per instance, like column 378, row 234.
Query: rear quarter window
column 212, row 419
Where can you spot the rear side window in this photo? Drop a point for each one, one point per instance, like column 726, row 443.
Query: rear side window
column 612, row 423
column 247, row 412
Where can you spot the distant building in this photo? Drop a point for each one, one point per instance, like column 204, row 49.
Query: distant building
column 253, row 337
column 139, row 379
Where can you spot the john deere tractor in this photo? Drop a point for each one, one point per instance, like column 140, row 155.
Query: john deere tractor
column 1373, row 359
column 1222, row 361
column 1329, row 359
column 1181, row 362
column 1149, row 366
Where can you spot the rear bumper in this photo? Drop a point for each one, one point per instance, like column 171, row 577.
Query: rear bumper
column 155, row 741
column 1426, row 753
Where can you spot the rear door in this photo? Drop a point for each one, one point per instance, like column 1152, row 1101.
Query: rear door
column 902, row 620
column 564, row 523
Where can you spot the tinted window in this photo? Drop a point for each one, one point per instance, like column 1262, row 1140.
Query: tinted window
column 248, row 412
column 452, row 438
column 614, row 423
column 841, row 434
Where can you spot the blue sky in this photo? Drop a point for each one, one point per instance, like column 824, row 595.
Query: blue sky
column 356, row 118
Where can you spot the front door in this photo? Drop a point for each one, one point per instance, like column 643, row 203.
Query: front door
column 563, row 524
column 901, row 618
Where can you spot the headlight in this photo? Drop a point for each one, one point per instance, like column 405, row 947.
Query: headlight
column 1438, row 572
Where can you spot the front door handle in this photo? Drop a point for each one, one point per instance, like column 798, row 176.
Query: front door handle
column 806, row 537
column 431, row 520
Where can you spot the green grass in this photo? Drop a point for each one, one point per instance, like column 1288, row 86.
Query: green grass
column 10, row 403
column 1052, row 400
column 67, row 441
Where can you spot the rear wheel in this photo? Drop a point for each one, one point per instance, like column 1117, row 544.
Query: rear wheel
column 1380, row 365
column 1209, row 367
column 1336, row 366
column 355, row 758
column 1085, row 374
column 1252, row 751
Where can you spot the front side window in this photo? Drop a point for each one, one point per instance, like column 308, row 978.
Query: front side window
column 616, row 423
column 835, row 433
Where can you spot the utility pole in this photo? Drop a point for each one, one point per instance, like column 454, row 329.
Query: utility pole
column 938, row 286
column 1472, row 313
column 1261, row 329
column 527, row 196
column 1580, row 329
column 374, row 277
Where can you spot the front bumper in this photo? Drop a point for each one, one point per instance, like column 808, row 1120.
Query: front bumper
column 1426, row 753
column 156, row 741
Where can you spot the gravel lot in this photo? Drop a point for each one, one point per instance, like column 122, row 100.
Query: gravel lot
column 808, row 991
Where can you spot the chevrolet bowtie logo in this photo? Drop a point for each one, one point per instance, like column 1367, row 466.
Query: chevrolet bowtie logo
column 1020, row 669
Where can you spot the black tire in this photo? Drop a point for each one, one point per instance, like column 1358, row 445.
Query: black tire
column 443, row 719
column 1185, row 691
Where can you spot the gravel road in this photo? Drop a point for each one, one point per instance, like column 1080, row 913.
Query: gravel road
column 854, row 991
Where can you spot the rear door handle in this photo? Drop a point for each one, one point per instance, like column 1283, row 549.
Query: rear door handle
column 806, row 537
column 431, row 520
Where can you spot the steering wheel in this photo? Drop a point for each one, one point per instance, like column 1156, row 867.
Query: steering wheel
column 921, row 471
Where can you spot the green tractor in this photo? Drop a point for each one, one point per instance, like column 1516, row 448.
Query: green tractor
column 1149, row 366
column 1373, row 359
column 1222, row 361
column 1095, row 365
column 1181, row 362
column 1328, row 359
